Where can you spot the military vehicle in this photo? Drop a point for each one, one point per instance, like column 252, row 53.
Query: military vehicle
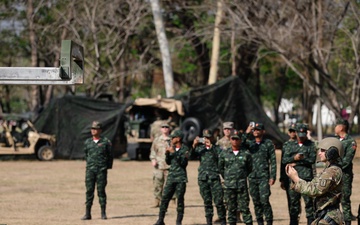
column 26, row 142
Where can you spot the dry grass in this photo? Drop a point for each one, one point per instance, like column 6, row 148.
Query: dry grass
column 43, row 193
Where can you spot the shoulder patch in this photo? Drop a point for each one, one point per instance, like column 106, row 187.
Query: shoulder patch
column 323, row 182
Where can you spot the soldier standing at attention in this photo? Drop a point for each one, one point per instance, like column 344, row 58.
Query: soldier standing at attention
column 260, row 179
column 224, row 142
column 157, row 157
column 235, row 164
column 349, row 145
column 287, row 146
column 99, row 159
column 302, row 157
column 208, row 177
column 325, row 188
column 177, row 157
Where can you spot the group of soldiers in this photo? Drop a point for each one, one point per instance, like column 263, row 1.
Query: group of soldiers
column 243, row 164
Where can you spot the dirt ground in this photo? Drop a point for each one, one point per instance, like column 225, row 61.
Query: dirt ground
column 43, row 193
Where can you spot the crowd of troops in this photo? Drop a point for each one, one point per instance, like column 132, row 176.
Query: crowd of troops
column 243, row 164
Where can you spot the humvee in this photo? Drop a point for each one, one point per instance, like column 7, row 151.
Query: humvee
column 146, row 114
column 27, row 142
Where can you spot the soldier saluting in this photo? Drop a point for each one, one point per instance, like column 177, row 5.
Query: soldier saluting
column 327, row 187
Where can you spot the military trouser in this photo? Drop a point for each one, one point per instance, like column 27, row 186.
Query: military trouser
column 211, row 190
column 295, row 204
column 346, row 193
column 92, row 178
column 170, row 189
column 238, row 200
column 260, row 194
column 159, row 180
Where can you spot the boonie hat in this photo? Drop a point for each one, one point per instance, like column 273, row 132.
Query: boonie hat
column 177, row 133
column 301, row 130
column 96, row 125
column 207, row 133
column 165, row 125
column 228, row 125
column 259, row 126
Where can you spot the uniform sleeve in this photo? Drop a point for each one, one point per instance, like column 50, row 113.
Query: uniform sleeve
column 288, row 157
column 283, row 175
column 110, row 157
column 272, row 157
column 349, row 153
column 182, row 157
column 249, row 164
column 86, row 150
column 222, row 164
column 153, row 150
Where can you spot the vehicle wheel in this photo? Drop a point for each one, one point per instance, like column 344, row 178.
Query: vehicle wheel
column 191, row 128
column 46, row 153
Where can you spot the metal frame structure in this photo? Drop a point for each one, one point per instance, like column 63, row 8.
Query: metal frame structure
column 70, row 72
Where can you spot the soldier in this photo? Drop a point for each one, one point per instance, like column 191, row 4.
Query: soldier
column 235, row 164
column 177, row 157
column 327, row 187
column 302, row 157
column 99, row 159
column 287, row 146
column 208, row 177
column 264, row 160
column 349, row 145
column 157, row 157
column 224, row 142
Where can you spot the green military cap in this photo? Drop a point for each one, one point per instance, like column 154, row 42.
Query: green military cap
column 259, row 126
column 235, row 134
column 301, row 130
column 341, row 121
column 207, row 133
column 96, row 125
column 177, row 133
column 292, row 127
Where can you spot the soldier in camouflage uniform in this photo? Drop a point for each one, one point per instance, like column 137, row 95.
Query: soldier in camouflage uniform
column 287, row 147
column 264, row 160
column 350, row 146
column 302, row 157
column 208, row 177
column 99, row 159
column 177, row 157
column 235, row 164
column 224, row 142
column 157, row 157
column 325, row 188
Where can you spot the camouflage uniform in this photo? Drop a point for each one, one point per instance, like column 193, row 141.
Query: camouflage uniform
column 264, row 160
column 161, row 170
column 176, row 181
column 350, row 146
column 235, row 170
column 305, row 171
column 209, row 180
column 98, row 158
column 224, row 143
column 326, row 188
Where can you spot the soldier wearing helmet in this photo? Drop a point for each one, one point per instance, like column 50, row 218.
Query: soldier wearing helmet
column 327, row 187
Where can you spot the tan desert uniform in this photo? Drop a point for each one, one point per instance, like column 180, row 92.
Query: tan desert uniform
column 161, row 169
column 224, row 142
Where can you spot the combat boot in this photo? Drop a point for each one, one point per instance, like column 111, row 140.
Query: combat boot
column 269, row 222
column 87, row 213
column 223, row 222
column 260, row 221
column 160, row 221
column 294, row 220
column 251, row 223
column 103, row 212
column 179, row 219
column 209, row 220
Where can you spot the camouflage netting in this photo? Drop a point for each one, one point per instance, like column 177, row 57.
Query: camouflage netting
column 70, row 117
column 228, row 100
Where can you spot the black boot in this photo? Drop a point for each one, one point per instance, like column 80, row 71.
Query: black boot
column 232, row 223
column 160, row 221
column 223, row 222
column 260, row 221
column 87, row 213
column 103, row 212
column 179, row 219
column 251, row 223
column 209, row 220
column 294, row 220
column 269, row 222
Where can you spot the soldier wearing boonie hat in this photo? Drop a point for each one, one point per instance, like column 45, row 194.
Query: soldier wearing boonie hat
column 350, row 146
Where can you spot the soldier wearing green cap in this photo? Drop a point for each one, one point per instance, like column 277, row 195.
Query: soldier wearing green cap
column 99, row 159
column 208, row 177
column 349, row 144
column 262, row 151
column 235, row 165
column 302, row 157
column 177, row 155
column 326, row 188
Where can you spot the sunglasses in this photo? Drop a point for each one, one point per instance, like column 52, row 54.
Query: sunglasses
column 235, row 139
column 164, row 127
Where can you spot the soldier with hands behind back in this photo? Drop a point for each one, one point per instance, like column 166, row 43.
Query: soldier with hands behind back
column 99, row 159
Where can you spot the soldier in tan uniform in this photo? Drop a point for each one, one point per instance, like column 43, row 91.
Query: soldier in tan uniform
column 157, row 157
column 327, row 187
column 224, row 142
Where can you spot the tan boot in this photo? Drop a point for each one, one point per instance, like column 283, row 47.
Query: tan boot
column 156, row 203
